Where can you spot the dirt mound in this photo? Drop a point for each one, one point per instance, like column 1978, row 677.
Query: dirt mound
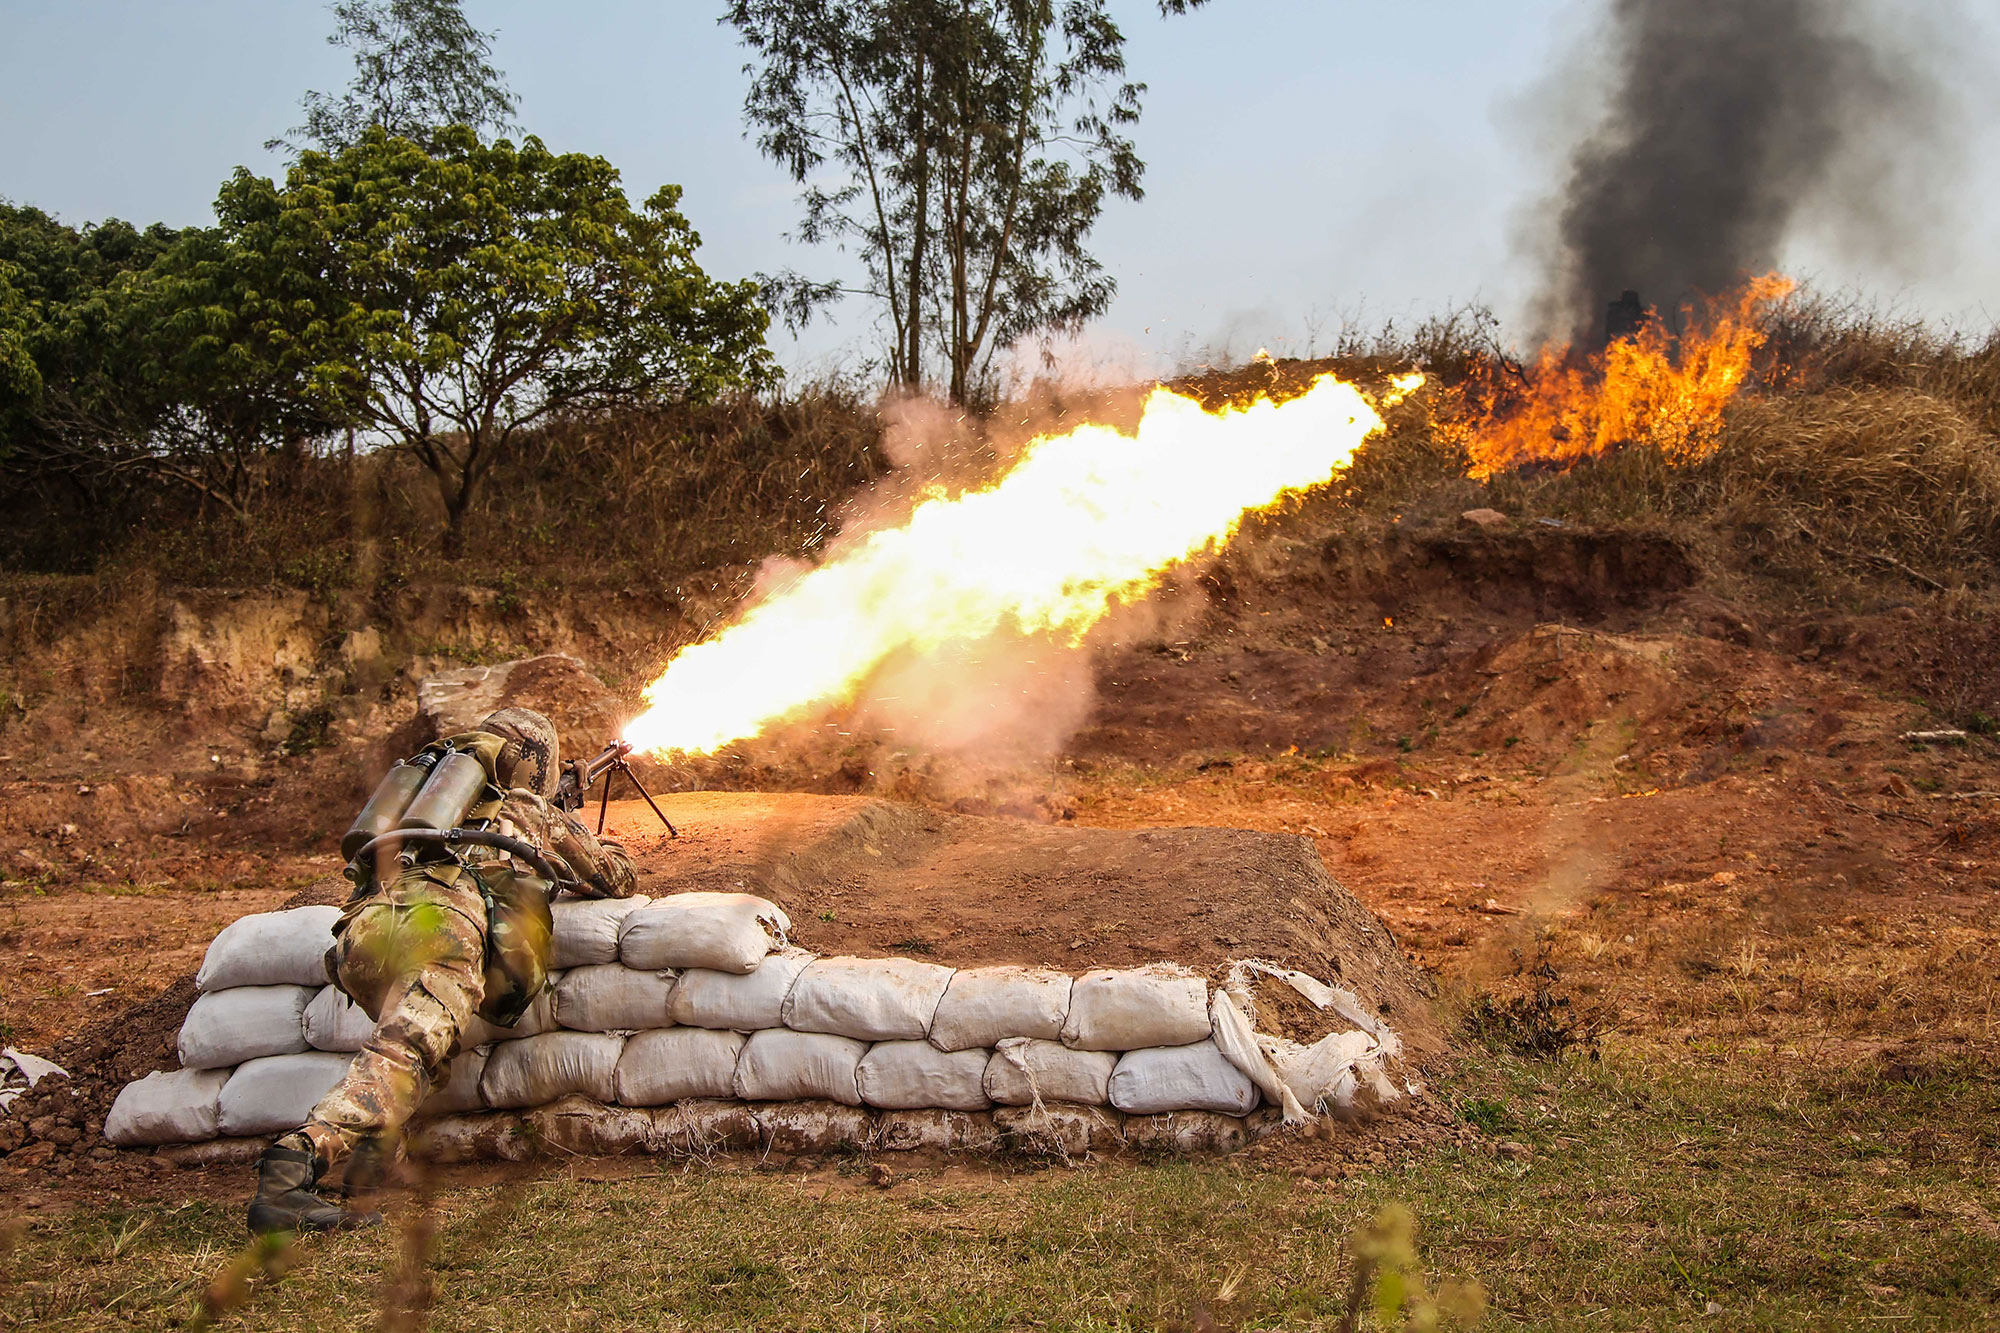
column 1314, row 647
column 557, row 685
column 61, row 1122
column 867, row 876
column 1544, row 570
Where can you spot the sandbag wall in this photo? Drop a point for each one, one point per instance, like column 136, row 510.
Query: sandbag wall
column 687, row 1023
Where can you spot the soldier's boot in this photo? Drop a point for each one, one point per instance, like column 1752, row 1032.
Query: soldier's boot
column 285, row 1198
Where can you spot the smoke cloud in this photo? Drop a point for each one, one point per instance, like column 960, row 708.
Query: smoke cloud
column 1730, row 124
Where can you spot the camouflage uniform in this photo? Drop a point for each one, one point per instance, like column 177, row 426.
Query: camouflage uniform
column 438, row 946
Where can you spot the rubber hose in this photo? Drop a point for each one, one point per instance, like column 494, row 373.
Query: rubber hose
column 550, row 866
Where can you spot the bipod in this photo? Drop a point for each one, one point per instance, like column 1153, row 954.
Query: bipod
column 615, row 767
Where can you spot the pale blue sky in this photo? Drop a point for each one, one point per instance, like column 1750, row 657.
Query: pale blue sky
column 1309, row 160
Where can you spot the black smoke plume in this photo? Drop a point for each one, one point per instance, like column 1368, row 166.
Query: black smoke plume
column 1728, row 121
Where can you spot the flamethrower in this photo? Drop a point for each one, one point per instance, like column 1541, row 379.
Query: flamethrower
column 579, row 774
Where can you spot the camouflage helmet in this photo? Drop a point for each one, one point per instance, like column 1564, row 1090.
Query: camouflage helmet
column 529, row 757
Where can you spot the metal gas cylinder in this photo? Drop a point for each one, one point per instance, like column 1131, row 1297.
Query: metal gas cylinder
column 452, row 789
column 392, row 798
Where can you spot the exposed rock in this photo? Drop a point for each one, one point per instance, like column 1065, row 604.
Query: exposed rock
column 361, row 650
column 1484, row 519
column 556, row 684
column 225, row 655
column 29, row 862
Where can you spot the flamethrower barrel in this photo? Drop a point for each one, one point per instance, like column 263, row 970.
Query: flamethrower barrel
column 579, row 775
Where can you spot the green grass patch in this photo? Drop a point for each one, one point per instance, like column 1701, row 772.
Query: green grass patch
column 1742, row 1192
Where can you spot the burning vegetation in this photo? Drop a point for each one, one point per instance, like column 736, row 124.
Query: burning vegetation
column 1648, row 386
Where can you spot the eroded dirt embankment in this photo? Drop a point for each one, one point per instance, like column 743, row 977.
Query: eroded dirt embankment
column 1472, row 723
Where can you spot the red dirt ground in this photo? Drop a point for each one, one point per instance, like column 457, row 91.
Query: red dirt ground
column 1705, row 811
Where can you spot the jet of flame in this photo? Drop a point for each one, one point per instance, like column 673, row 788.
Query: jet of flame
column 1080, row 523
column 1641, row 389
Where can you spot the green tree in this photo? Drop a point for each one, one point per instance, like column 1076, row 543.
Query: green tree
column 73, row 407
column 970, row 147
column 219, row 396
column 103, row 410
column 451, row 296
column 419, row 65
column 20, row 380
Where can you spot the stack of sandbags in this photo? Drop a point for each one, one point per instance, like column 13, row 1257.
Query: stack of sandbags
column 664, row 1007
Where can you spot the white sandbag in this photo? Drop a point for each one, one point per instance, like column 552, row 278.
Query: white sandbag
column 587, row 929
column 539, row 1018
column 984, row 1006
column 905, row 1075
column 1341, row 1001
column 333, row 1022
column 743, row 1003
column 939, row 1131
column 1181, row 1078
column 782, row 1066
column 1020, row 1069
column 1134, row 1008
column 869, row 999
column 814, row 1127
column 610, row 997
column 669, row 1064
column 270, row 949
column 1331, row 1072
column 724, row 932
column 276, row 1094
column 1237, row 1041
column 32, row 1068
column 536, row 1070
column 459, row 1091
column 227, row 1027
column 171, row 1106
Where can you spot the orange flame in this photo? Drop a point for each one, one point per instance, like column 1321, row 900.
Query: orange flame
column 1080, row 523
column 1641, row 390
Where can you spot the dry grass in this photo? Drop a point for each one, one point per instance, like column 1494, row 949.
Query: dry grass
column 624, row 497
column 1722, row 1189
column 1858, row 982
column 681, row 488
column 1858, row 475
column 1868, row 449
